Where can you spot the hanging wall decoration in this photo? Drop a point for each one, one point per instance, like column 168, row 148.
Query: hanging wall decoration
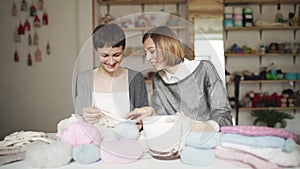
column 14, row 10
column 48, row 48
column 17, row 37
column 40, row 5
column 16, row 56
column 45, row 18
column 27, row 25
column 32, row 11
column 38, row 55
column 24, row 5
column 32, row 23
column 29, row 59
column 21, row 30
column 29, row 40
column 35, row 39
column 37, row 21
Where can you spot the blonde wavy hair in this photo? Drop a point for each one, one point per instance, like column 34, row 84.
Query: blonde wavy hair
column 167, row 43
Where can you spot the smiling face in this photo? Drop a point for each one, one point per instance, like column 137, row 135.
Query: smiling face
column 110, row 58
column 153, row 55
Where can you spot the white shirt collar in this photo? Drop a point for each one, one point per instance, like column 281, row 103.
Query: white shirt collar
column 184, row 69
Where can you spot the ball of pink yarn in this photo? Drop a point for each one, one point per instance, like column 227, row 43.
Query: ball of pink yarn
column 82, row 133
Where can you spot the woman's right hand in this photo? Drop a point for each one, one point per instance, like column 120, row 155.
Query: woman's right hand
column 138, row 114
column 91, row 114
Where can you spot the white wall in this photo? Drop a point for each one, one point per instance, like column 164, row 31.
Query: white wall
column 38, row 97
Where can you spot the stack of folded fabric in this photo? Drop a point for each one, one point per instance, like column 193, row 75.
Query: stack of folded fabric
column 198, row 149
column 14, row 146
column 258, row 147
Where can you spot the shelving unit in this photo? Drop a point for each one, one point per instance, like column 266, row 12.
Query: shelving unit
column 268, row 108
column 263, row 55
column 262, row 30
column 265, row 28
column 139, row 7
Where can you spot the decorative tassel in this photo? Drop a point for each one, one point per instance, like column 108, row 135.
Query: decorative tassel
column 29, row 60
column 35, row 39
column 23, row 5
column 38, row 55
column 29, row 39
column 48, row 48
column 45, row 18
column 14, row 10
column 16, row 56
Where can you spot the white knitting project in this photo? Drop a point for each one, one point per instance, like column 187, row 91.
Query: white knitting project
column 21, row 138
column 164, row 134
column 65, row 123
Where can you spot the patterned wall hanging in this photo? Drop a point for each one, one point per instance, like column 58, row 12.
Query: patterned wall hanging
column 30, row 22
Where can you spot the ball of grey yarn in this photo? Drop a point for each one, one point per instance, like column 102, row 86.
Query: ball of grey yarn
column 86, row 153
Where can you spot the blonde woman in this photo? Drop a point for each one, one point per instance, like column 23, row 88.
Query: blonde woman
column 181, row 85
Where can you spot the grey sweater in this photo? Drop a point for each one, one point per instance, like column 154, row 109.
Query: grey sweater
column 84, row 88
column 200, row 96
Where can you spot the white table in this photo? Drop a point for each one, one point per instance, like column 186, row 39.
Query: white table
column 147, row 162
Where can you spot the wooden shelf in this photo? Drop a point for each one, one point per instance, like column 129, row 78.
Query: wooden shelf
column 264, row 81
column 267, row 54
column 259, row 2
column 139, row 2
column 147, row 28
column 255, row 28
column 268, row 108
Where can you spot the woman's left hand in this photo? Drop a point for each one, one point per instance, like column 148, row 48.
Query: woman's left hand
column 202, row 126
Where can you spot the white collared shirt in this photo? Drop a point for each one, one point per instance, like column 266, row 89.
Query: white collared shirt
column 184, row 69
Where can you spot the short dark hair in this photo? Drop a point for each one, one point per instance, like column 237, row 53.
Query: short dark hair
column 110, row 35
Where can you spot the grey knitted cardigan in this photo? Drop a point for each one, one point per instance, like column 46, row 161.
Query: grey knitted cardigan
column 84, row 88
column 200, row 96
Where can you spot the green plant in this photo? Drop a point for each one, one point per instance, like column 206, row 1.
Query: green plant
column 271, row 117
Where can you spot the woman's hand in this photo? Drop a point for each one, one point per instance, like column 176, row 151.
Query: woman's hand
column 139, row 114
column 91, row 114
column 202, row 126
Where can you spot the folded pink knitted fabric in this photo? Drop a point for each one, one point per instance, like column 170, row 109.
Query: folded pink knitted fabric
column 244, row 158
column 258, row 131
column 121, row 151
